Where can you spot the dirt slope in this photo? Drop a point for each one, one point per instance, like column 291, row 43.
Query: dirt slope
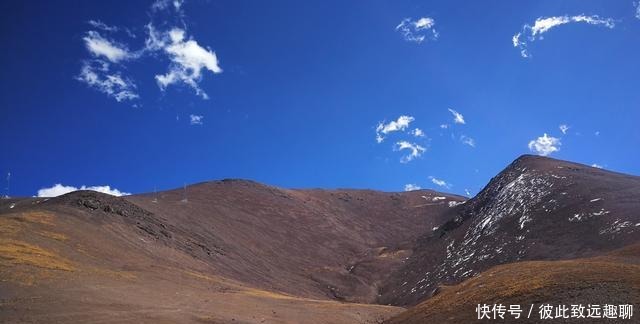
column 235, row 252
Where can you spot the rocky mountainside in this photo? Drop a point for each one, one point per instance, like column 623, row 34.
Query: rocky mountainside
column 609, row 279
column 536, row 209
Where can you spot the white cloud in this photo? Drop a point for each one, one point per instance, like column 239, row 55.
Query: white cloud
column 393, row 126
column 100, row 25
column 59, row 189
column 444, row 126
column 97, row 75
column 457, row 117
column 564, row 128
column 196, row 119
column 544, row 24
column 521, row 44
column 155, row 40
column 188, row 60
column 99, row 46
column 467, row 192
column 424, row 23
column 440, row 182
column 594, row 20
column 516, row 39
column 595, row 165
column 178, row 4
column 637, row 5
column 545, row 145
column 411, row 187
column 416, row 150
column 160, row 5
column 468, row 140
column 419, row 30
column 417, row 132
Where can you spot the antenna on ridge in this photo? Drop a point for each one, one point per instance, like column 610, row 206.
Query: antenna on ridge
column 184, row 193
column 8, row 185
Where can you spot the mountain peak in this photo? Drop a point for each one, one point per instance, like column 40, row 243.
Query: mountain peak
column 536, row 208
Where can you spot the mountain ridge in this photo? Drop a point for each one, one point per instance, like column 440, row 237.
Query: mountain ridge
column 236, row 244
column 535, row 209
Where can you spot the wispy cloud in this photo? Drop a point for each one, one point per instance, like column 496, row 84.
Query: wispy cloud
column 411, row 187
column 102, row 26
column 467, row 140
column 196, row 119
column 457, row 117
column 96, row 74
column 564, row 128
column 545, row 145
column 440, row 182
column 419, row 30
column 408, row 137
column 100, row 46
column 188, row 59
column 393, row 126
column 415, row 150
column 109, row 29
column 160, row 5
column 637, row 5
column 59, row 189
column 544, row 24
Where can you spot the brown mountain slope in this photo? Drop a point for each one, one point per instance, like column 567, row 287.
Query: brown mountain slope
column 536, row 209
column 311, row 243
column 235, row 252
column 612, row 279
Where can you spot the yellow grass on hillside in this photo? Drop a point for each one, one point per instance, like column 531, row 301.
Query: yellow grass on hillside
column 599, row 278
column 14, row 252
column 53, row 235
column 12, row 224
column 40, row 217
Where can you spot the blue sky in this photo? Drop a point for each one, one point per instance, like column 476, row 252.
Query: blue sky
column 146, row 94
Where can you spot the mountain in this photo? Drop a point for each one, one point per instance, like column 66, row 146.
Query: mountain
column 223, row 251
column 535, row 209
column 236, row 251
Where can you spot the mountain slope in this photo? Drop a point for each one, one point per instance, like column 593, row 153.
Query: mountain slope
column 312, row 243
column 235, row 251
column 536, row 209
column 611, row 279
